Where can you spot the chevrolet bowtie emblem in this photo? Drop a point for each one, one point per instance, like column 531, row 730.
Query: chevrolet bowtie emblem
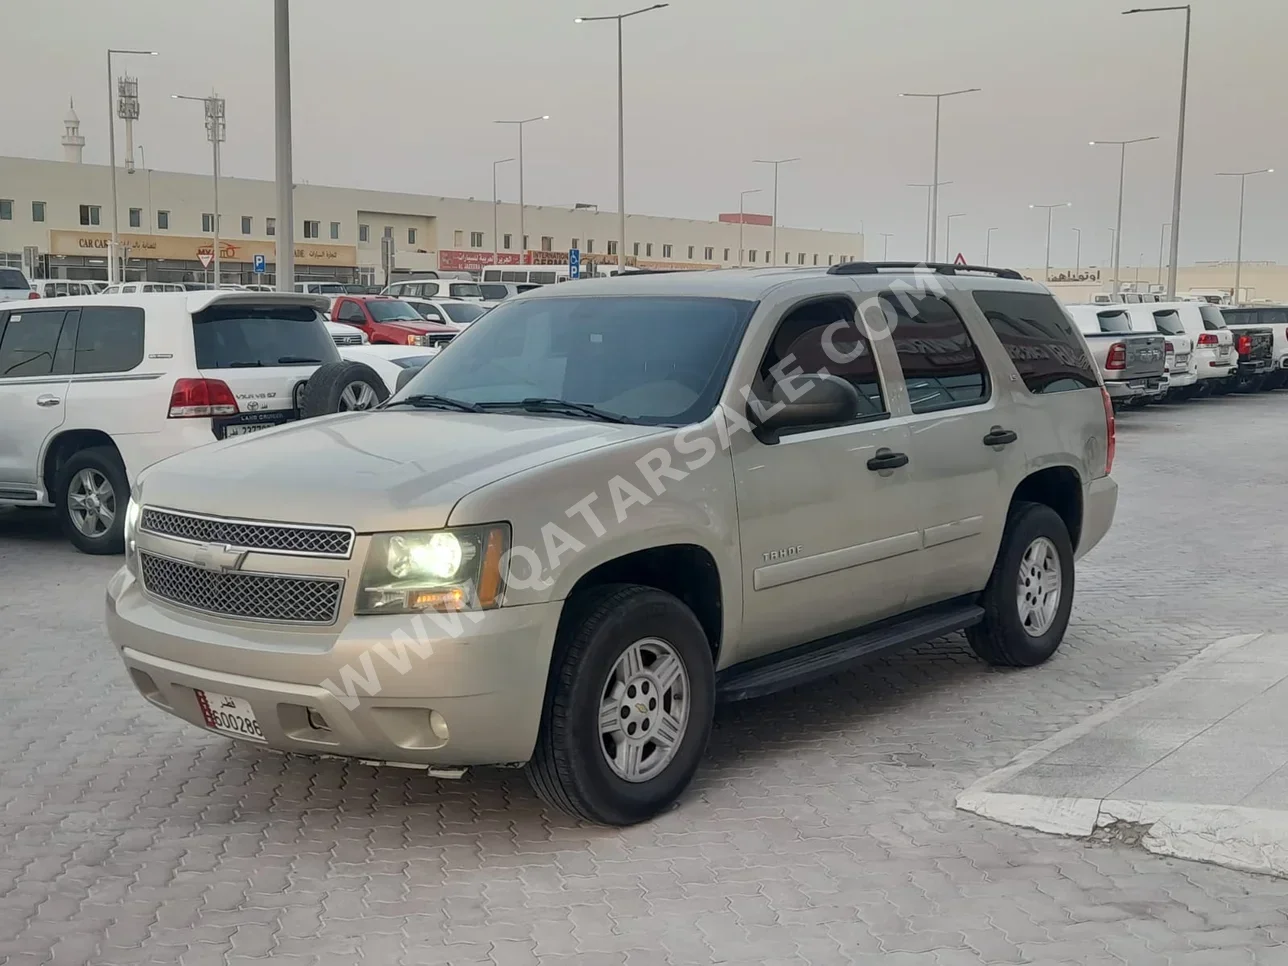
column 218, row 558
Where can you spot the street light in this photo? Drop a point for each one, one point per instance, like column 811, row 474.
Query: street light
column 283, row 166
column 1238, row 262
column 1173, row 263
column 988, row 244
column 774, row 230
column 215, row 133
column 948, row 234
column 1162, row 241
column 742, row 198
column 934, row 191
column 1122, row 170
column 930, row 255
column 495, row 164
column 113, row 269
column 621, row 127
column 1077, row 251
column 885, row 253
column 523, row 237
column 1049, row 209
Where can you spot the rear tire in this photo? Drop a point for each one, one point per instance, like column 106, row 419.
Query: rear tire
column 340, row 387
column 627, row 658
column 1023, row 625
column 92, row 492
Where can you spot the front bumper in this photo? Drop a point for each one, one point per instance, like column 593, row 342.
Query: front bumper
column 1099, row 505
column 389, row 689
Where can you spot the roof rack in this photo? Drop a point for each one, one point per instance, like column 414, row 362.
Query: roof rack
column 939, row 268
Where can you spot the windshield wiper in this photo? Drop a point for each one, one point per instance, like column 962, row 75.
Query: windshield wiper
column 543, row 404
column 244, row 365
column 297, row 360
column 430, row 401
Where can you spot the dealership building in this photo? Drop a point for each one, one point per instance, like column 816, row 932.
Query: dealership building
column 56, row 222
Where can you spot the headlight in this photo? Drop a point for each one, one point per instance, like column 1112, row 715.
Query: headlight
column 434, row 570
column 132, row 514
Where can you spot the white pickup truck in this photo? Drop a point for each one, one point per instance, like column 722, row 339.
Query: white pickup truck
column 1182, row 363
column 1272, row 317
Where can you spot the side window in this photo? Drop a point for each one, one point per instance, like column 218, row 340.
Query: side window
column 429, row 290
column 822, row 336
column 1040, row 340
column 941, row 366
column 351, row 312
column 110, row 339
column 29, row 343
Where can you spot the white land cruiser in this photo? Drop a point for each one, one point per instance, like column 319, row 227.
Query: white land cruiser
column 606, row 506
column 95, row 388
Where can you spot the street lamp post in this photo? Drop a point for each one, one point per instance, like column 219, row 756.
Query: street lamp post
column 113, row 250
column 1173, row 263
column 1077, row 251
column 621, row 127
column 1162, row 242
column 1049, row 209
column 1122, row 172
column 1238, row 259
column 523, row 237
column 932, row 192
column 948, row 233
column 1113, row 242
column 885, row 251
column 742, row 198
column 988, row 244
column 495, row 241
column 935, row 182
column 284, row 175
column 774, row 230
column 215, row 132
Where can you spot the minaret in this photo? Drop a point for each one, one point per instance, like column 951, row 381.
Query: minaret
column 73, row 140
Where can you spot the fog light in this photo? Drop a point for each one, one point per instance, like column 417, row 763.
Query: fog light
column 316, row 721
column 438, row 724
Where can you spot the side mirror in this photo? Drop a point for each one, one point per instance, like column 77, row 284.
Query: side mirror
column 806, row 399
column 432, row 317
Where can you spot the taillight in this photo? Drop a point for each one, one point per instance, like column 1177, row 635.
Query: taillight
column 192, row 398
column 33, row 295
column 1111, row 431
column 1208, row 338
column 1117, row 358
column 1243, row 345
column 1168, row 347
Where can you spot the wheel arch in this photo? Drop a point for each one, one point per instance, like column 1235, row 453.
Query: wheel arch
column 1060, row 488
column 63, row 446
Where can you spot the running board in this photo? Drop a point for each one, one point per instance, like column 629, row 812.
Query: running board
column 822, row 658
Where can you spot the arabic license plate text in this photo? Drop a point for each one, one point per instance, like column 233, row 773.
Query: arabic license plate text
column 232, row 716
column 243, row 429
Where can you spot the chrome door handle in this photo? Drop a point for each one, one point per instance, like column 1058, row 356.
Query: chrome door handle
column 47, row 400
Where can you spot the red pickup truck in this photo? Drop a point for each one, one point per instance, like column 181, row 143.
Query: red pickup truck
column 389, row 321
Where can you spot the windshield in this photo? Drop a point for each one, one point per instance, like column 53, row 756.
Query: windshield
column 462, row 314
column 495, row 291
column 236, row 336
column 1169, row 322
column 464, row 290
column 392, row 310
column 657, row 360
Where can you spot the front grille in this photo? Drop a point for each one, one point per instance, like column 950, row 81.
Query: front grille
column 257, row 597
column 248, row 535
column 436, row 341
column 347, row 339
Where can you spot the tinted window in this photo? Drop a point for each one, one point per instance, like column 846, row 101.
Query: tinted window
column 392, row 310
column 461, row 314
column 940, row 362
column 496, row 292
column 1116, row 321
column 236, row 336
column 542, row 278
column 464, row 290
column 1213, row 320
column 29, row 341
column 811, row 338
column 10, row 278
column 1169, row 322
column 110, row 339
column 351, row 312
column 654, row 359
column 1040, row 340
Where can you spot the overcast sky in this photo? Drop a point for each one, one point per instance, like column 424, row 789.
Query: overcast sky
column 400, row 94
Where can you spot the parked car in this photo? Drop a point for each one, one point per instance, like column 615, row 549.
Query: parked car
column 1133, row 365
column 50, row 288
column 1254, row 341
column 14, row 286
column 259, row 287
column 390, row 320
column 452, row 311
column 428, row 288
column 345, row 335
column 321, row 288
column 394, row 364
column 95, row 388
column 1182, row 366
column 1213, row 355
column 1274, row 317
column 500, row 291
column 743, row 521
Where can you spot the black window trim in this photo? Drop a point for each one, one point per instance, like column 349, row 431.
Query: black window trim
column 984, row 399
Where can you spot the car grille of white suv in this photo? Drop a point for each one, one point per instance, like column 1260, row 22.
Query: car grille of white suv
column 293, row 539
column 245, row 596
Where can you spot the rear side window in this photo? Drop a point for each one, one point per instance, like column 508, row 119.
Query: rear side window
column 250, row 336
column 1040, row 340
column 110, row 339
column 29, row 341
column 1169, row 322
column 1213, row 320
column 11, row 278
column 940, row 363
column 1114, row 321
column 497, row 292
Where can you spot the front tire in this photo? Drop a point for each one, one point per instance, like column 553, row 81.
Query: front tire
column 1030, row 593
column 629, row 706
column 92, row 494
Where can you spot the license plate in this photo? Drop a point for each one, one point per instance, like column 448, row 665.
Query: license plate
column 244, row 430
column 232, row 716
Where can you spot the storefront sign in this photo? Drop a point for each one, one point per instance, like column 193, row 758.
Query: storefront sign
column 450, row 260
column 190, row 249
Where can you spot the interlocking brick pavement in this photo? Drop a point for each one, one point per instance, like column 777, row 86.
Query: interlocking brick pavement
column 821, row 830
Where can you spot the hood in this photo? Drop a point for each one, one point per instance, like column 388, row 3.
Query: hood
column 388, row 470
